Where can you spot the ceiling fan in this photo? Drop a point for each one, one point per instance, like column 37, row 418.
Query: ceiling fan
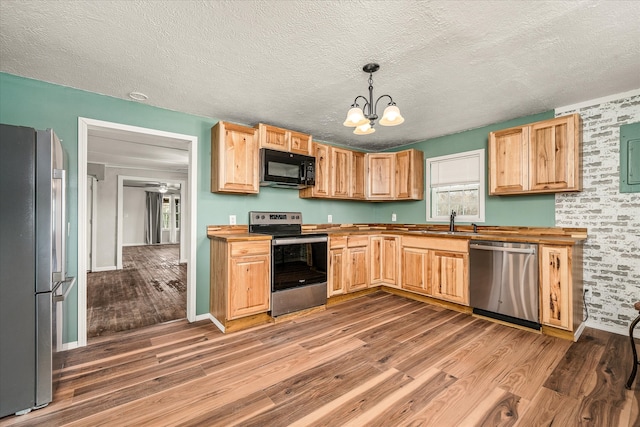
column 156, row 186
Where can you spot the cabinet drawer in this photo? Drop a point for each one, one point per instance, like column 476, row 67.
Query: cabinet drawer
column 250, row 248
column 356, row 241
column 337, row 242
column 439, row 243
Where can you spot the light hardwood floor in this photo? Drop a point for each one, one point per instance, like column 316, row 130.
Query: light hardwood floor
column 151, row 288
column 377, row 360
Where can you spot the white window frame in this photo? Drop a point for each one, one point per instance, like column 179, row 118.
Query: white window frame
column 480, row 155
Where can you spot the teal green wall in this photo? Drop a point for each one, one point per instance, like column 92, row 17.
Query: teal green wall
column 37, row 104
column 536, row 210
column 42, row 105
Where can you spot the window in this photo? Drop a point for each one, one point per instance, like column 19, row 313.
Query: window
column 168, row 214
column 456, row 183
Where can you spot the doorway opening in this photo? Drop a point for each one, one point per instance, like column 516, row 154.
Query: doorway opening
column 139, row 157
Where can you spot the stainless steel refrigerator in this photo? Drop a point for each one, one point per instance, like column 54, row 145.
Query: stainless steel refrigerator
column 33, row 231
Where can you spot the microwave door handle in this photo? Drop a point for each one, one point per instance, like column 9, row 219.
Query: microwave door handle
column 303, row 172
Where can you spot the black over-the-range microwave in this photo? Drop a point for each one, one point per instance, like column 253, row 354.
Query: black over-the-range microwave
column 288, row 170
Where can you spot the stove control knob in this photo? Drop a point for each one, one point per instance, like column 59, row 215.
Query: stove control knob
column 262, row 217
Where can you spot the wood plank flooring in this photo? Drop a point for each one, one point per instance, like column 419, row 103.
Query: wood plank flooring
column 379, row 360
column 151, row 288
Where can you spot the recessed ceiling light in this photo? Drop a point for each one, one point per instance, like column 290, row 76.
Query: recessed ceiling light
column 138, row 96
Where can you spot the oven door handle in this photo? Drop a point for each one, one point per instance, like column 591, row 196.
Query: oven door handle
column 298, row 240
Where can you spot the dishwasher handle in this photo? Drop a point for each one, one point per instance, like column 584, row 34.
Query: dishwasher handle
column 531, row 250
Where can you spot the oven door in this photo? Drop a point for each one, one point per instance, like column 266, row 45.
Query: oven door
column 298, row 261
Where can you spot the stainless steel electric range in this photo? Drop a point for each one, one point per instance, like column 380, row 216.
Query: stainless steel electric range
column 298, row 261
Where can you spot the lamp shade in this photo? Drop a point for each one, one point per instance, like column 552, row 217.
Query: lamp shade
column 364, row 129
column 391, row 116
column 355, row 117
column 163, row 188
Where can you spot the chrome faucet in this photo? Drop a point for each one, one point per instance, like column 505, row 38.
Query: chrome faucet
column 452, row 221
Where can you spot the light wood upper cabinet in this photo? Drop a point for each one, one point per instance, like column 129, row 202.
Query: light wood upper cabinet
column 409, row 175
column 542, row 157
column 561, row 286
column 321, row 189
column 240, row 279
column 395, row 176
column 281, row 139
column 234, row 159
column 554, row 148
column 340, row 172
column 381, row 176
column 358, row 171
column 300, row 143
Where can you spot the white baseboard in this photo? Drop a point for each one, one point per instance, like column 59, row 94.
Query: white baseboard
column 206, row 316
column 107, row 268
column 134, row 244
column 70, row 345
column 183, row 261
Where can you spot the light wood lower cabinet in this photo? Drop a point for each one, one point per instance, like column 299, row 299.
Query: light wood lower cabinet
column 415, row 269
column 436, row 267
column 385, row 264
column 240, row 279
column 357, row 263
column 336, row 269
column 449, row 276
column 560, row 286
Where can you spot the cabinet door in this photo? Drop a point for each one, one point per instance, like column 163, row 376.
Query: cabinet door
column 409, row 175
column 553, row 154
column 336, row 279
column 358, row 172
column 323, row 159
column 299, row 143
column 340, row 172
column 272, row 137
column 449, row 276
column 249, row 287
column 555, row 286
column 414, row 269
column 375, row 249
column 508, row 161
column 358, row 268
column 234, row 159
column 380, row 178
column 389, row 270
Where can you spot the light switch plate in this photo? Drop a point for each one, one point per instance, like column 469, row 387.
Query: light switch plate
column 393, row 217
column 329, row 219
column 232, row 220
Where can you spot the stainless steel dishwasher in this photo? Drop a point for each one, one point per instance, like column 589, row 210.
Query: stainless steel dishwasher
column 503, row 281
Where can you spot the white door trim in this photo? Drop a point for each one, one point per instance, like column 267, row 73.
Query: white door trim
column 191, row 144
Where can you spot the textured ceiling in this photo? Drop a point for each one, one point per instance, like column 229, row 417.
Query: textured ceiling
column 449, row 65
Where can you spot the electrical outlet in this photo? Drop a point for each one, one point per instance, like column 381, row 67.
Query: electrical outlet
column 232, row 220
column 329, row 219
column 394, row 218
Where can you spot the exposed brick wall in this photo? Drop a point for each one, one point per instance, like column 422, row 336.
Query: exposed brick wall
column 612, row 251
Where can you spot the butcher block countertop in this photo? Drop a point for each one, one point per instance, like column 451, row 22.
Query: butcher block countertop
column 543, row 235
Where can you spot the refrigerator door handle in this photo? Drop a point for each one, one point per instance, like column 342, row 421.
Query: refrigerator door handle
column 61, row 174
column 69, row 282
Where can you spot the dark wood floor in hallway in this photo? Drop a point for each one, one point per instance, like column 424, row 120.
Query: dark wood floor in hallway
column 379, row 360
column 151, row 288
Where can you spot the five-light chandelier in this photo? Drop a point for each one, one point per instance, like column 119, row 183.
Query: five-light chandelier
column 364, row 119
